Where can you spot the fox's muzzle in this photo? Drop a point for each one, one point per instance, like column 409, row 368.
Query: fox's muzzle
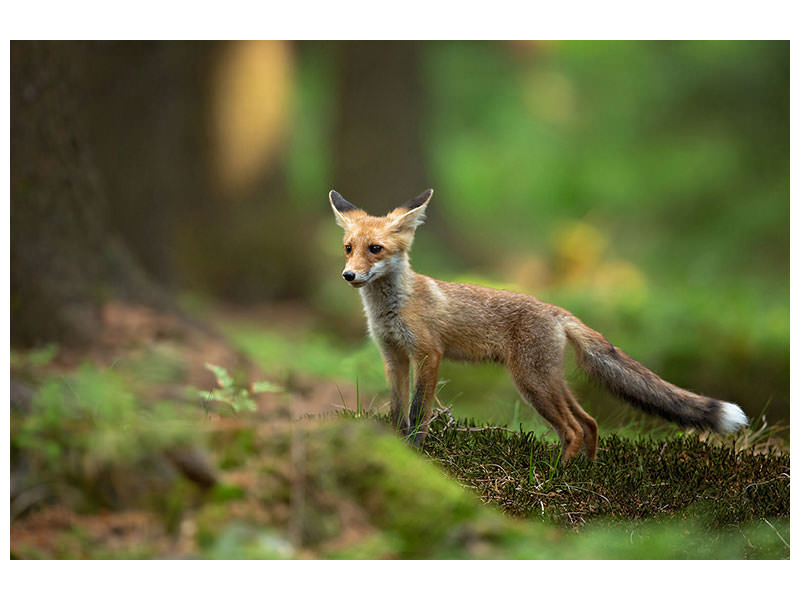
column 356, row 279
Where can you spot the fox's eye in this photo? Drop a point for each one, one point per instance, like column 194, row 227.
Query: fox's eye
column 348, row 248
column 375, row 248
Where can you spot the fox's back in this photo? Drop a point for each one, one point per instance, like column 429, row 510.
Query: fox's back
column 477, row 323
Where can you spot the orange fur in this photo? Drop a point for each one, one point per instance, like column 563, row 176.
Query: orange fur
column 418, row 320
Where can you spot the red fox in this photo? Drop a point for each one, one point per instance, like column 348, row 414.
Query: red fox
column 419, row 320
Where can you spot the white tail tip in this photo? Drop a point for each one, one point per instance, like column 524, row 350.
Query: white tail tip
column 731, row 418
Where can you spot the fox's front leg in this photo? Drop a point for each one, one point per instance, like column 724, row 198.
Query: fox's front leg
column 395, row 365
column 427, row 372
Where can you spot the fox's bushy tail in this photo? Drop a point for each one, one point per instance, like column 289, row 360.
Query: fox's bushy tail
column 633, row 382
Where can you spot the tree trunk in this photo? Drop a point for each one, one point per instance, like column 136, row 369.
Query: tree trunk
column 65, row 258
column 147, row 113
column 381, row 99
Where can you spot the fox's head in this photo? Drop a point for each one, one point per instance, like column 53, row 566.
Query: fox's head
column 375, row 246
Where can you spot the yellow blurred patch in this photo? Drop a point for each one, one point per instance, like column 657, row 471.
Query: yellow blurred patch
column 619, row 276
column 581, row 262
column 251, row 108
column 550, row 96
column 579, row 247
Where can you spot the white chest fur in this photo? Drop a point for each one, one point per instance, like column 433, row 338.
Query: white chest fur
column 383, row 300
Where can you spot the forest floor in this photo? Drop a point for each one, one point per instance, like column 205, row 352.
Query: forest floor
column 169, row 442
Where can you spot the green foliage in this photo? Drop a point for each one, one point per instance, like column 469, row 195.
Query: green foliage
column 35, row 358
column 308, row 168
column 98, row 405
column 641, row 135
column 88, row 436
column 237, row 397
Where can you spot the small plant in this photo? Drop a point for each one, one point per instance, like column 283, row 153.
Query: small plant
column 237, row 397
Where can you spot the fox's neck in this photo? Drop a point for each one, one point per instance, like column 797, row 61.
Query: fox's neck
column 383, row 297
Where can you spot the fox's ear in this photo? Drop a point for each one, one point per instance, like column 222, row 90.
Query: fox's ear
column 340, row 206
column 420, row 200
column 412, row 213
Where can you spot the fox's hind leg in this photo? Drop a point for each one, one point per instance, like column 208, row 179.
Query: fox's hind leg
column 547, row 397
column 588, row 424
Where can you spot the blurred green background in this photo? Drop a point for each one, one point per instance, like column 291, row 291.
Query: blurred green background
column 644, row 186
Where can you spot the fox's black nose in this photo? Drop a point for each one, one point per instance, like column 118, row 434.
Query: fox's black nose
column 348, row 275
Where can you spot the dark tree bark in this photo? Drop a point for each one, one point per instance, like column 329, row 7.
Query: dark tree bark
column 147, row 107
column 65, row 258
column 378, row 153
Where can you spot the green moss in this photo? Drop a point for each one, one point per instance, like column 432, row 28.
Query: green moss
column 91, row 441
